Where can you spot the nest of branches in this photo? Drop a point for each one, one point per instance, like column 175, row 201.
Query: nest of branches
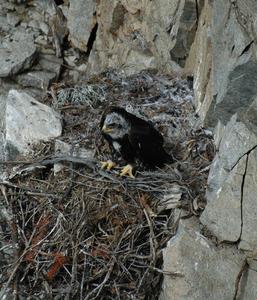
column 85, row 233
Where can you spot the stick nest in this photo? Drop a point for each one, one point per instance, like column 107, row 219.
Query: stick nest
column 84, row 233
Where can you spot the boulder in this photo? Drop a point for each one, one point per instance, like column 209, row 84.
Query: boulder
column 28, row 122
column 17, row 54
column 81, row 21
column 199, row 270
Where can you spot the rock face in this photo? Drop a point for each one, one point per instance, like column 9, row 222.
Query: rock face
column 203, row 271
column 226, row 182
column 138, row 35
column 223, row 216
column 230, row 213
column 234, row 60
column 2, row 133
column 249, row 208
column 17, row 53
column 81, row 21
column 199, row 61
column 28, row 121
column 234, row 107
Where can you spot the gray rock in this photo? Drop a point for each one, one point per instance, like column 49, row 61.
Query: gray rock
column 13, row 19
column 185, row 34
column 17, row 54
column 37, row 79
column 249, row 207
column 203, row 271
column 249, row 116
column 70, row 60
column 136, row 36
column 240, row 90
column 62, row 148
column 44, row 27
column 248, row 287
column 28, row 122
column 2, row 133
column 222, row 216
column 236, row 141
column 59, row 30
column 234, row 59
column 81, row 21
column 34, row 24
column 50, row 63
column 199, row 60
column 41, row 40
column 4, row 25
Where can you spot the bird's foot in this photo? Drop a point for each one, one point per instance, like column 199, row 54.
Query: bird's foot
column 127, row 170
column 108, row 165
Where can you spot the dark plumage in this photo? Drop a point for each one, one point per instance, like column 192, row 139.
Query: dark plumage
column 133, row 138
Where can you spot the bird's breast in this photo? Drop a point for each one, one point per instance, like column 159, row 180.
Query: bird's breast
column 116, row 146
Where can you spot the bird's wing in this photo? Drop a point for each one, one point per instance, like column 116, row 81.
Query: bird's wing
column 144, row 133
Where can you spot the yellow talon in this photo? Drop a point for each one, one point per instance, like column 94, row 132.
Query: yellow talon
column 108, row 165
column 127, row 170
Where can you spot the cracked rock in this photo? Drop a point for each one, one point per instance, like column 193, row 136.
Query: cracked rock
column 2, row 133
column 249, row 207
column 81, row 21
column 236, row 141
column 222, row 216
column 28, row 122
column 248, row 287
column 202, row 271
column 17, row 54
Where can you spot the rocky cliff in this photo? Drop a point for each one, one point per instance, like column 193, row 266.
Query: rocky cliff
column 213, row 41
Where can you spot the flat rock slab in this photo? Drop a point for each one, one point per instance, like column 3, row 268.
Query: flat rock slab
column 17, row 54
column 50, row 63
column 81, row 21
column 249, row 207
column 248, row 289
column 37, row 79
column 62, row 148
column 28, row 122
column 2, row 133
column 203, row 271
column 222, row 216
column 236, row 141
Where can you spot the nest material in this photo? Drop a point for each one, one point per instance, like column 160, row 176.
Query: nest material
column 88, row 234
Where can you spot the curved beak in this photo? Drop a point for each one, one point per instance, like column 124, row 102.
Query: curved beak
column 105, row 129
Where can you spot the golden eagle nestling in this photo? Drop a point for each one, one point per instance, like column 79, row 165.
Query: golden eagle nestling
column 132, row 138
